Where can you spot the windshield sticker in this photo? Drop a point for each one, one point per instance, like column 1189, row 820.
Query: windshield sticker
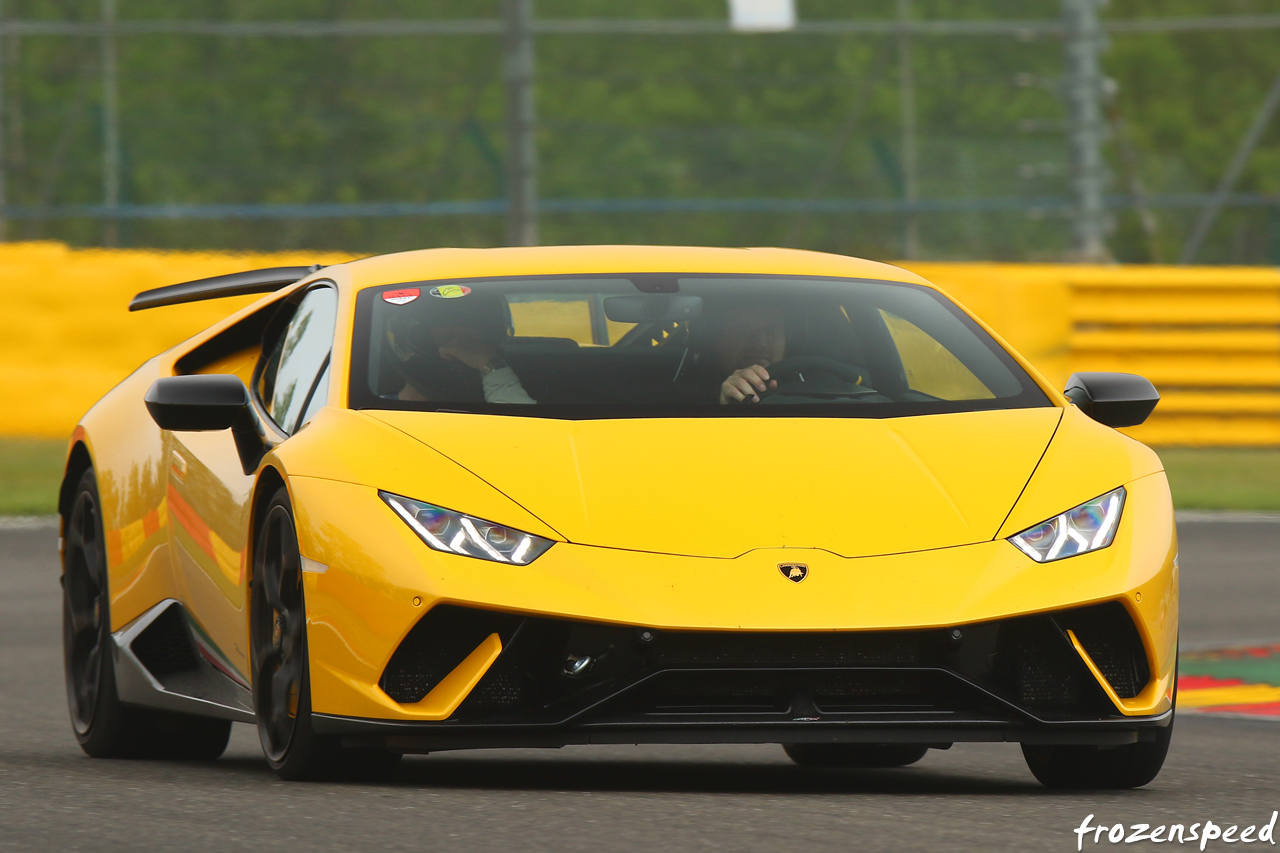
column 450, row 291
column 401, row 297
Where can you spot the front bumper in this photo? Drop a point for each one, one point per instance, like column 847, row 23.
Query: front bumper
column 555, row 682
column 381, row 582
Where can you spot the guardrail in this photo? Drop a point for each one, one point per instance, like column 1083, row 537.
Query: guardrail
column 1208, row 337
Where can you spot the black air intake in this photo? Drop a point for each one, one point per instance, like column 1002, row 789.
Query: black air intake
column 1109, row 636
column 555, row 670
column 689, row 649
column 1045, row 671
column 436, row 645
column 165, row 646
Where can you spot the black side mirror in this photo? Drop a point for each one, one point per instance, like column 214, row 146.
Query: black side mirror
column 1114, row 399
column 203, row 403
column 197, row 403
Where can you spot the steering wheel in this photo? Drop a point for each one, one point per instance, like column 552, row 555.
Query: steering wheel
column 789, row 374
column 791, row 369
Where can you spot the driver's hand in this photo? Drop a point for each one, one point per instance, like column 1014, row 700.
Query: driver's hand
column 746, row 385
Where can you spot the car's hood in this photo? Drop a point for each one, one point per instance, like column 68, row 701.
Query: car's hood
column 719, row 487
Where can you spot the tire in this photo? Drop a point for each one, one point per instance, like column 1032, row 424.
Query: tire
column 281, row 670
column 1100, row 768
column 851, row 755
column 103, row 725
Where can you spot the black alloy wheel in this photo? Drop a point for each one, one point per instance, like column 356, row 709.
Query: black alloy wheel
column 278, row 633
column 281, row 676
column 854, row 755
column 104, row 726
column 1094, row 768
column 85, row 626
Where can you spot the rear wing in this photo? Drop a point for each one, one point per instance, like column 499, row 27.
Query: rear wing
column 220, row 286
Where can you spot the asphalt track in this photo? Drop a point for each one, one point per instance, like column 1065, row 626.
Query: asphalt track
column 972, row 797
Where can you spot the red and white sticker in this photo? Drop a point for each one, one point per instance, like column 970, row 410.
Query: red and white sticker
column 401, row 297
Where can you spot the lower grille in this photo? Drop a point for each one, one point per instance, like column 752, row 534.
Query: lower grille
column 781, row 692
column 437, row 644
column 1047, row 672
column 829, row 649
column 1109, row 636
column 633, row 673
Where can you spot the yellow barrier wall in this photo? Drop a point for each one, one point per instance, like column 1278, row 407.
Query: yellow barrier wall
column 66, row 334
column 1209, row 337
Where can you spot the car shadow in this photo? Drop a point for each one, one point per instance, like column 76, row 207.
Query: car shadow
column 444, row 772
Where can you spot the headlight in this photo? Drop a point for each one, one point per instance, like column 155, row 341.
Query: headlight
column 1088, row 527
column 455, row 533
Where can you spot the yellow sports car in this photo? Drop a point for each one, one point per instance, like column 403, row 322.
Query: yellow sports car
column 533, row 497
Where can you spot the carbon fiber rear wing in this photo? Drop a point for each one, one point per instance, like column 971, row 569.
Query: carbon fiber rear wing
column 220, row 286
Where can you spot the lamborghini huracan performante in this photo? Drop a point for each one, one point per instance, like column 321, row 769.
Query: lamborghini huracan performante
column 457, row 498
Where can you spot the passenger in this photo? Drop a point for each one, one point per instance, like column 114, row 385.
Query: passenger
column 747, row 339
column 430, row 352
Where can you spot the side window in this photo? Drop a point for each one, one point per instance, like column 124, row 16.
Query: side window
column 295, row 363
column 319, row 396
column 930, row 367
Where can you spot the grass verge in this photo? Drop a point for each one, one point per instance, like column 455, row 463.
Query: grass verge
column 1223, row 478
column 30, row 471
column 1240, row 479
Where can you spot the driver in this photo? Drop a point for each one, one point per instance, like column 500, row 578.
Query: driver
column 748, row 339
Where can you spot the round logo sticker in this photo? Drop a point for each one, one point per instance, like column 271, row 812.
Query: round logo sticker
column 450, row 291
column 401, row 297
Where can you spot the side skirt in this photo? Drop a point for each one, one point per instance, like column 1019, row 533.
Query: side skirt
column 161, row 663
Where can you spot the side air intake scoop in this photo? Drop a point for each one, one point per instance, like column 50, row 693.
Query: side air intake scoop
column 219, row 286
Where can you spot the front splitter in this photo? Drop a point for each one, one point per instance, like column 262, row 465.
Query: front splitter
column 439, row 737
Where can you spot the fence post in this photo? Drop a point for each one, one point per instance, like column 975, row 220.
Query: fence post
column 110, row 127
column 522, row 148
column 4, row 130
column 910, row 156
column 1086, row 128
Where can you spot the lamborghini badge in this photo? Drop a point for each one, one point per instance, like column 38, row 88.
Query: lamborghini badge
column 794, row 572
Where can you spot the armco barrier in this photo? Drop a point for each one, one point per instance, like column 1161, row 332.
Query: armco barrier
column 1209, row 337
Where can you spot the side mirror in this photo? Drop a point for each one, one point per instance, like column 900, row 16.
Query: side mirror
column 197, row 403
column 1114, row 399
column 204, row 403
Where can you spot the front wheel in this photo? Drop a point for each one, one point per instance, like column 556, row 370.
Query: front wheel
column 281, row 672
column 854, row 754
column 1099, row 768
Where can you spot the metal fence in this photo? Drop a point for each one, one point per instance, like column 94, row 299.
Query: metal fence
column 894, row 135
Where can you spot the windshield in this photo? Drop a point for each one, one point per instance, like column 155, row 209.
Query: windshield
column 670, row 345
